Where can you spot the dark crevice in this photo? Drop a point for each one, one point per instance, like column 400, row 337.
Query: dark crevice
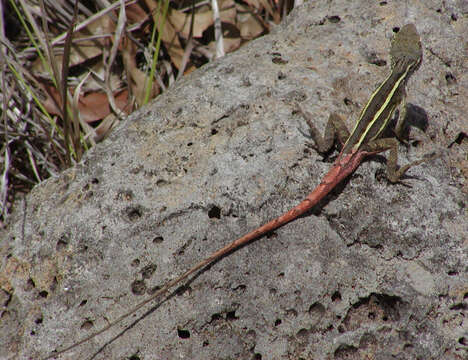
column 214, row 212
column 138, row 287
column 183, row 334
column 158, row 240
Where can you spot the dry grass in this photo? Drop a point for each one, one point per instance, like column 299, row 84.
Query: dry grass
column 71, row 70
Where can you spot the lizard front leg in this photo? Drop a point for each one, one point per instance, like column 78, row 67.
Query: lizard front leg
column 393, row 172
column 335, row 128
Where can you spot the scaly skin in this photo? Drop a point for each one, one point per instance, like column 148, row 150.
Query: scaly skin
column 365, row 140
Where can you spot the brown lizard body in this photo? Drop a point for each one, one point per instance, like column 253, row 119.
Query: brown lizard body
column 365, row 140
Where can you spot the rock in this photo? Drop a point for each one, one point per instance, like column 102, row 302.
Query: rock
column 378, row 271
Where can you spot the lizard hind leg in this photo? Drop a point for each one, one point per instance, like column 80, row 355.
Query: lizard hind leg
column 393, row 172
column 335, row 128
column 339, row 125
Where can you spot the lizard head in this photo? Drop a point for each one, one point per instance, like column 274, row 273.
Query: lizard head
column 406, row 49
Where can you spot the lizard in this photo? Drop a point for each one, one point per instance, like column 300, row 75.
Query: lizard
column 364, row 140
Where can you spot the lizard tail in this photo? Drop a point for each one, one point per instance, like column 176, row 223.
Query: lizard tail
column 336, row 174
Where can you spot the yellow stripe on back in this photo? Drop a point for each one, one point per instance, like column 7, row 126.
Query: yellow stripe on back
column 384, row 106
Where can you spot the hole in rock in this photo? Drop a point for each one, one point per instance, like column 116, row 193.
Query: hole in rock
column 214, row 212
column 138, row 287
column 183, row 334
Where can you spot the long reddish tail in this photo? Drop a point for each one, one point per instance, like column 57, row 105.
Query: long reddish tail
column 341, row 169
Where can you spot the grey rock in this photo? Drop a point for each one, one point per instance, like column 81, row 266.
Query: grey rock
column 378, row 271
